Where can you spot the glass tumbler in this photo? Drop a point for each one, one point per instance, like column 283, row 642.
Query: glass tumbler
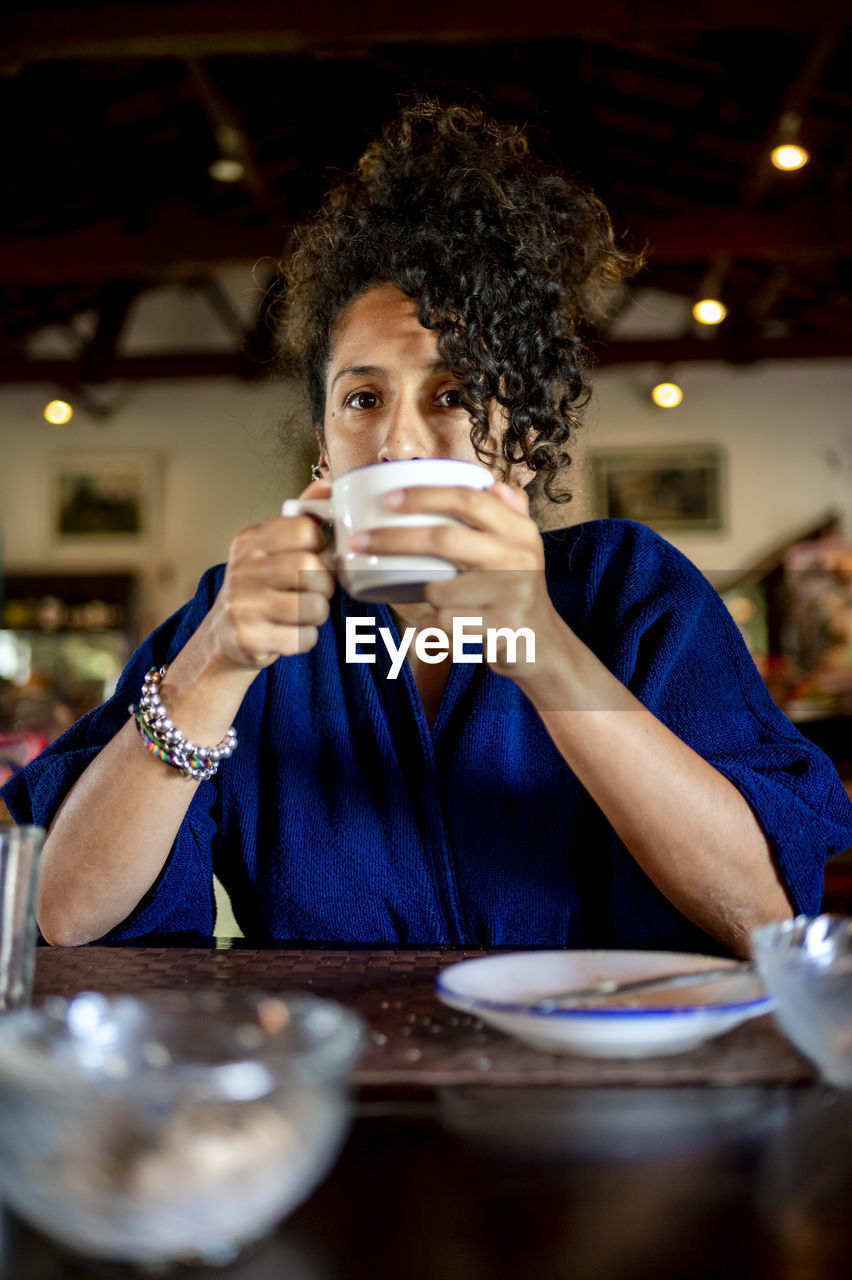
column 20, row 848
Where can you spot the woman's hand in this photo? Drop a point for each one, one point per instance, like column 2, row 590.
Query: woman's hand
column 498, row 551
column 276, row 591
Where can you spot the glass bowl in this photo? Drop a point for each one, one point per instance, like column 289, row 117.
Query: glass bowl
column 806, row 964
column 179, row 1126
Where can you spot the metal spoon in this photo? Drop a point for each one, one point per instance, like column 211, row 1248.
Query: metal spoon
column 608, row 988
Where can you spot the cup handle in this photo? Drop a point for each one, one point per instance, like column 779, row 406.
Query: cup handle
column 320, row 507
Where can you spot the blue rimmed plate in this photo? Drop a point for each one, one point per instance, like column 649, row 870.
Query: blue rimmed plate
column 506, row 990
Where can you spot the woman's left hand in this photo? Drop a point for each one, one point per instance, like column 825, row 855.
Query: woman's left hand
column 498, row 551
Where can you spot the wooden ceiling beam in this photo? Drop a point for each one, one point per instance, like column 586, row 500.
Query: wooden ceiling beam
column 182, row 247
column 793, row 108
column 116, row 300
column 176, row 248
column 219, row 27
column 67, row 373
column 812, row 230
column 738, row 350
column 228, row 133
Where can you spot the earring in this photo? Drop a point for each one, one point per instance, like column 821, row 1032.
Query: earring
column 316, row 473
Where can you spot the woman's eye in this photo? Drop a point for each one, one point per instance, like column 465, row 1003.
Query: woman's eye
column 362, row 400
column 451, row 398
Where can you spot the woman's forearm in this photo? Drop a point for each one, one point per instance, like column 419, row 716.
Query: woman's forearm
column 113, row 833
column 687, row 826
column 111, row 838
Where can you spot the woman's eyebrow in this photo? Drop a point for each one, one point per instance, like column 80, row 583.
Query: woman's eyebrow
column 361, row 370
column 376, row 371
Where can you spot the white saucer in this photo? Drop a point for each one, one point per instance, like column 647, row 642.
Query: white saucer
column 503, row 991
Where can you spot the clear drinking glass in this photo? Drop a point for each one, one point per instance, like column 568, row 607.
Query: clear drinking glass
column 20, row 848
column 806, row 965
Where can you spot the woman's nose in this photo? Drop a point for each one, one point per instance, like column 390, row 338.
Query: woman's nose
column 406, row 436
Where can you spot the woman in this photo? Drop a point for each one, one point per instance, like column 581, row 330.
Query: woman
column 634, row 786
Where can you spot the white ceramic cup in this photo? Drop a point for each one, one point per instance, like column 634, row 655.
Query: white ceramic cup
column 356, row 504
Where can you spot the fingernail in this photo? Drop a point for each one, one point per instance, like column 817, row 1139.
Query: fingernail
column 360, row 542
column 395, row 498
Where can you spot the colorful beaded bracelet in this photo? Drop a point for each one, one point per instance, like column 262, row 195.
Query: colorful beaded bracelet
column 167, row 743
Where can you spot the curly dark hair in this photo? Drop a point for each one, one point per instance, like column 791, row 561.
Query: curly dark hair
column 505, row 256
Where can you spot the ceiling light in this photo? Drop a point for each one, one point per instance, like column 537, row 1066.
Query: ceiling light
column 227, row 169
column 709, row 311
column 667, row 395
column 58, row 412
column 790, row 155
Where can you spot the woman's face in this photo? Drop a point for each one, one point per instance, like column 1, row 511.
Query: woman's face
column 388, row 394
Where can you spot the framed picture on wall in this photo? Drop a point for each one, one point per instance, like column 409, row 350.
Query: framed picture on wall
column 101, row 498
column 673, row 489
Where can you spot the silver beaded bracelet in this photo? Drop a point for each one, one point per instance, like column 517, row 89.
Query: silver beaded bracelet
column 167, row 743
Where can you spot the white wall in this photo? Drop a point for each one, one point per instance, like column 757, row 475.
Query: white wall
column 219, row 465
column 787, row 431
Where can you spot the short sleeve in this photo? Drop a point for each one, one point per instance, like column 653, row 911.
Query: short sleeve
column 684, row 658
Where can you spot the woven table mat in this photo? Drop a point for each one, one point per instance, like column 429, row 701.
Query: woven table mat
column 413, row 1038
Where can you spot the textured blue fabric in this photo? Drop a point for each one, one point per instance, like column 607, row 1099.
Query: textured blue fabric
column 342, row 818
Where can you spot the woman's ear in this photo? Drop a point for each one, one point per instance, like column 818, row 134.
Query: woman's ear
column 322, row 461
column 520, row 475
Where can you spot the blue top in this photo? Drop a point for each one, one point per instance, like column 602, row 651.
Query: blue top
column 342, row 819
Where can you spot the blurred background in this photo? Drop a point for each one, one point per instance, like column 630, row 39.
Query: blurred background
column 156, row 155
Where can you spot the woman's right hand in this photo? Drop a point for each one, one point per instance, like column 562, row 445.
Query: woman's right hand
column 276, row 591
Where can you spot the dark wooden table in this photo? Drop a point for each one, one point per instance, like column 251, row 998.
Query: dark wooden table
column 473, row 1158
